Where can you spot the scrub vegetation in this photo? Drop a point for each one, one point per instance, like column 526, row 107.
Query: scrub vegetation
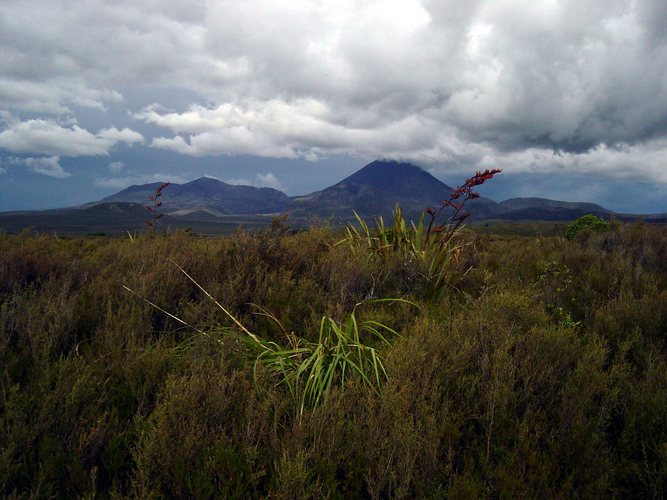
column 527, row 366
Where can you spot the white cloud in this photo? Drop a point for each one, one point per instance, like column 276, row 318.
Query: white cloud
column 306, row 129
column 645, row 162
column 45, row 166
column 426, row 80
column 116, row 166
column 280, row 129
column 123, row 182
column 261, row 180
column 48, row 137
column 268, row 180
column 51, row 97
column 113, row 136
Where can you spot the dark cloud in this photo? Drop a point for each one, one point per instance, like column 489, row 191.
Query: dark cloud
column 445, row 83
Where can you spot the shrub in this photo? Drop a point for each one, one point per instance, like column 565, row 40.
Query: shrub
column 586, row 224
column 547, row 377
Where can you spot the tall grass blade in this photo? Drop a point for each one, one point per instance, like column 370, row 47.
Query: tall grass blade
column 165, row 312
column 230, row 315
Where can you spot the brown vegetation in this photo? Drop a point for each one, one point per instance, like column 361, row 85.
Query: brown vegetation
column 541, row 372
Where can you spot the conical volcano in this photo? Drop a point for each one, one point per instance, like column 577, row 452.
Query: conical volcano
column 376, row 188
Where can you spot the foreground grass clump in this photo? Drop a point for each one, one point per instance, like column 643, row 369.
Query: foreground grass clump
column 431, row 246
column 308, row 369
column 544, row 372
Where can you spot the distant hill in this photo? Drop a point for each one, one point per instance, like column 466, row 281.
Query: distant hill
column 375, row 190
column 211, row 206
column 209, row 195
column 548, row 210
column 526, row 203
column 108, row 218
column 119, row 218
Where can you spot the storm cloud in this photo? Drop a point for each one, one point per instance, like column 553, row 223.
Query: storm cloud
column 553, row 85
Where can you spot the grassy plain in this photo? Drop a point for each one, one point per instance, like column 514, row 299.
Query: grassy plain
column 541, row 371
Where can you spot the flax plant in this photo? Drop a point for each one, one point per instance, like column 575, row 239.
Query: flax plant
column 309, row 370
column 343, row 351
column 154, row 208
column 435, row 247
column 436, row 257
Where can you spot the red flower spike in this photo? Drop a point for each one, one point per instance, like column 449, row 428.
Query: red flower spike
column 462, row 193
column 155, row 205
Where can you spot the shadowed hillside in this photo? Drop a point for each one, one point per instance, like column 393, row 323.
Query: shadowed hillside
column 210, row 195
column 376, row 188
column 210, row 206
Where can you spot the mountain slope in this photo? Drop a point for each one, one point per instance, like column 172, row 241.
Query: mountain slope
column 209, row 205
column 547, row 210
column 543, row 203
column 209, row 195
column 109, row 218
column 375, row 190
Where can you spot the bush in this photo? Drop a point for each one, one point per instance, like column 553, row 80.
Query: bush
column 545, row 374
column 586, row 224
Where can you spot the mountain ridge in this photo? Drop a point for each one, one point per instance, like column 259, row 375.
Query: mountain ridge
column 208, row 193
column 374, row 189
column 532, row 201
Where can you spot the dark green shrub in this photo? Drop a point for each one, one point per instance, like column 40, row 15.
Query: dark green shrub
column 586, row 224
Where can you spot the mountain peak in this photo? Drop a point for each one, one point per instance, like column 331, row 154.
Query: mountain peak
column 208, row 193
column 388, row 174
column 404, row 179
column 206, row 180
column 376, row 188
column 137, row 188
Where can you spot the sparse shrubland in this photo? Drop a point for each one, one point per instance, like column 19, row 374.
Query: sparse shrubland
column 542, row 370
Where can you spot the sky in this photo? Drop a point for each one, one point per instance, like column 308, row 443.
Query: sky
column 569, row 98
